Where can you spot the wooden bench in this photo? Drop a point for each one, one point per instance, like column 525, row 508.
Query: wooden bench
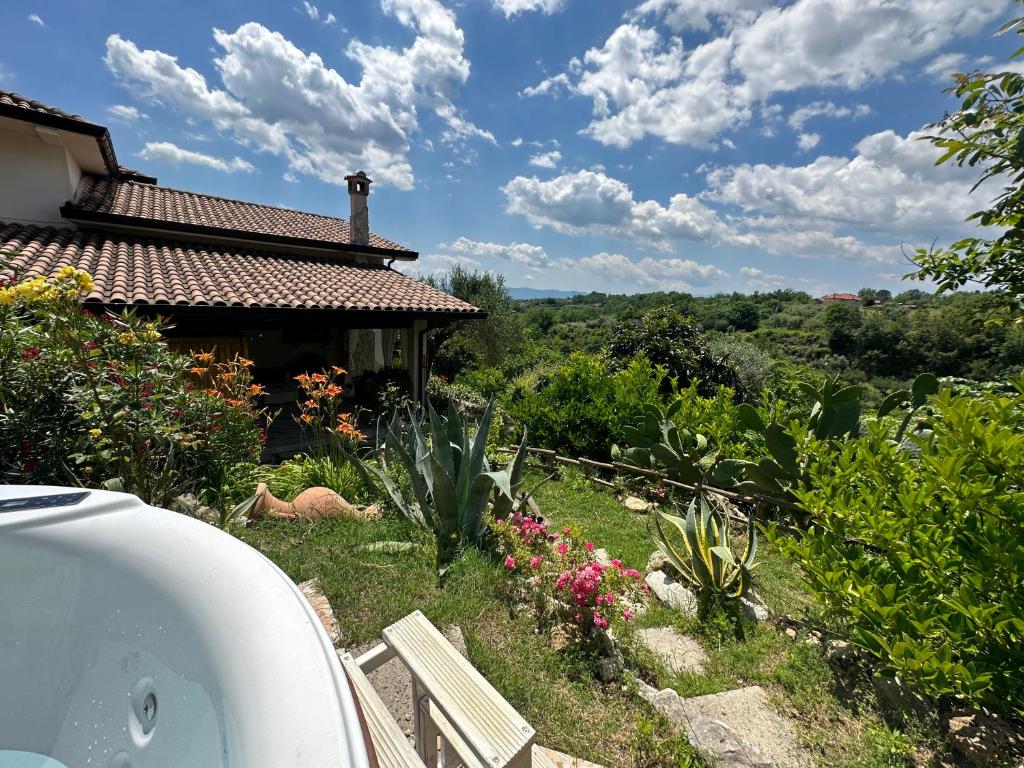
column 489, row 727
column 392, row 748
column 455, row 707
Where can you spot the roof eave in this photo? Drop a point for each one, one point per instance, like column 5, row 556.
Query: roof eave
column 79, row 215
column 69, row 124
column 431, row 314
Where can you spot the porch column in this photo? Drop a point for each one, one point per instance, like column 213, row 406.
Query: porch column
column 416, row 359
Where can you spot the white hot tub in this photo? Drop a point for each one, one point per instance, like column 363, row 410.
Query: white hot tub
column 136, row 637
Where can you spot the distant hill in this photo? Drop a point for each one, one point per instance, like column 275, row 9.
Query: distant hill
column 541, row 293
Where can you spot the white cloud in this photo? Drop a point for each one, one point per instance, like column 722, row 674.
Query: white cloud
column 552, row 85
column 645, row 274
column 680, row 15
column 799, row 116
column 516, row 142
column 279, row 99
column 546, row 159
column 849, row 43
column 944, row 65
column 311, row 10
column 861, row 207
column 589, row 202
column 330, row 18
column 35, row 18
column 642, row 82
column 165, row 151
column 512, row 7
column 521, row 253
column 125, row 113
column 807, row 141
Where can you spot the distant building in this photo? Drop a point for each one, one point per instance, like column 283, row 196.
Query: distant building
column 841, row 298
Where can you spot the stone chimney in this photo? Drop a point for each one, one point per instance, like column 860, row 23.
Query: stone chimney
column 359, row 221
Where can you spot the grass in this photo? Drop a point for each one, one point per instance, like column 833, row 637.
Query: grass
column 556, row 692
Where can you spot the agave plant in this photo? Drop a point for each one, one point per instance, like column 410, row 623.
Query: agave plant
column 451, row 482
column 657, row 442
column 700, row 548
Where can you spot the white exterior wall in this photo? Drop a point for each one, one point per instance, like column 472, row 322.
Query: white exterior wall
column 38, row 176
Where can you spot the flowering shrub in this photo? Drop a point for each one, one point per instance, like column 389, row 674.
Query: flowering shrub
column 86, row 398
column 591, row 595
column 321, row 417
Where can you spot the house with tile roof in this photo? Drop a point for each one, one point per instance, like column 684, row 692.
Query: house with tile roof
column 293, row 291
column 841, row 298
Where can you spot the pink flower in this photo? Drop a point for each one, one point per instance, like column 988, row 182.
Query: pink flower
column 535, row 562
column 567, row 530
column 599, row 621
column 616, row 563
column 535, row 581
column 609, row 598
column 564, row 578
column 510, row 562
column 633, row 573
column 590, row 546
column 627, row 615
column 563, row 548
column 579, row 618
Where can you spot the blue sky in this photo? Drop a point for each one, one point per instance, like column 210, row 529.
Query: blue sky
column 701, row 145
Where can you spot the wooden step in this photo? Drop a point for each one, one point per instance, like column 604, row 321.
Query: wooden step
column 491, row 729
column 392, row 747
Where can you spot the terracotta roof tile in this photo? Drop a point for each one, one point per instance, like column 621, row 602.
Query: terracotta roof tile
column 9, row 98
column 101, row 194
column 152, row 271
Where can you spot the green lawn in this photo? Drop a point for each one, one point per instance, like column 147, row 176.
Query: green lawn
column 371, row 588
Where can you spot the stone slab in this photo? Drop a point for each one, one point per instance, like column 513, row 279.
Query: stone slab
column 671, row 592
column 678, row 652
column 739, row 728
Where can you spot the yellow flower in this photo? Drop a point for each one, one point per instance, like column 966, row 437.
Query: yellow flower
column 126, row 338
column 95, row 432
column 7, row 296
column 152, row 335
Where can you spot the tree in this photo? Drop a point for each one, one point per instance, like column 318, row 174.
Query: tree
column 743, row 315
column 842, row 323
column 667, row 338
column 985, row 132
column 475, row 343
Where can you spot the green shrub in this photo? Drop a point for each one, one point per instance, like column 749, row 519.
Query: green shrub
column 292, row 477
column 919, row 556
column 581, row 407
column 85, row 399
column 487, row 382
column 673, row 341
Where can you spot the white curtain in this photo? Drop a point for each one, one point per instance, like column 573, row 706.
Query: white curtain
column 387, row 336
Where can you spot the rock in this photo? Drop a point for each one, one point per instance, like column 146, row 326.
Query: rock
column 316, row 598
column 657, row 561
column 634, row 504
column 984, row 739
column 840, row 652
column 559, row 638
column 678, row 652
column 754, row 607
column 610, row 666
column 562, row 760
column 790, row 633
column 189, row 505
column 672, row 593
column 601, row 555
column 738, row 728
column 892, row 693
